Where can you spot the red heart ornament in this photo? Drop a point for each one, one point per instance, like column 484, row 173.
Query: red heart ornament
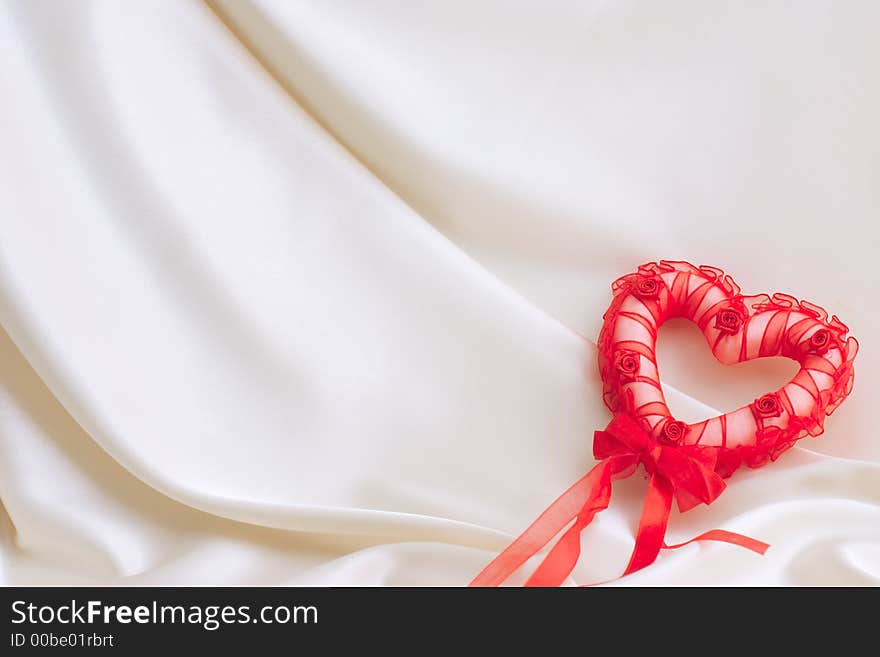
column 737, row 328
column 687, row 462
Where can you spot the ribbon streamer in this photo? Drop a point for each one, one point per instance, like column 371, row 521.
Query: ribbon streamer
column 685, row 473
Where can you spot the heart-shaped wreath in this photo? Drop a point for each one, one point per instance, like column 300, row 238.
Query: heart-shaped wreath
column 687, row 462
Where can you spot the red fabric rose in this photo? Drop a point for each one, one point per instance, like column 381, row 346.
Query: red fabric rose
column 646, row 287
column 728, row 320
column 767, row 406
column 674, row 431
column 820, row 341
column 627, row 364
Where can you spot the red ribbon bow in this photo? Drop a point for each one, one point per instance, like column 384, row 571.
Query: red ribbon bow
column 684, row 472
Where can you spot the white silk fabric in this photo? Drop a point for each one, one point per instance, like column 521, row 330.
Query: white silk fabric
column 307, row 292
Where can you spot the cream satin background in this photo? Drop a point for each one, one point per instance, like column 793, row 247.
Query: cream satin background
column 306, row 292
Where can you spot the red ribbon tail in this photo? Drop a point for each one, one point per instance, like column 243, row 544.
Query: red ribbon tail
column 652, row 524
column 563, row 556
column 586, row 497
column 725, row 536
column 652, row 528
